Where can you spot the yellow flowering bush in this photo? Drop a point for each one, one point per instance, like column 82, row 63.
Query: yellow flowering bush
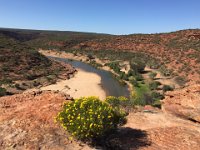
column 87, row 118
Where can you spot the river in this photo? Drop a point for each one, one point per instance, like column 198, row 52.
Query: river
column 109, row 84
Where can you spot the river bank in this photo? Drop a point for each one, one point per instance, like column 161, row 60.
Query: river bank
column 79, row 86
column 87, row 81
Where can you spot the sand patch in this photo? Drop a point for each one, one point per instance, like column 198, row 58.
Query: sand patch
column 82, row 84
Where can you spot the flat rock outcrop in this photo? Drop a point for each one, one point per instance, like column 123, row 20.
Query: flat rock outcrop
column 159, row 131
column 27, row 122
column 184, row 103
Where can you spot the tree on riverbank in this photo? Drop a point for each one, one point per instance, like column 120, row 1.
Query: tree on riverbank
column 137, row 65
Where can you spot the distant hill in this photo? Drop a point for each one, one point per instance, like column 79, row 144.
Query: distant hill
column 43, row 38
column 179, row 51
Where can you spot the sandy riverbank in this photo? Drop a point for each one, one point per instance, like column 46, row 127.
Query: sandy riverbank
column 82, row 84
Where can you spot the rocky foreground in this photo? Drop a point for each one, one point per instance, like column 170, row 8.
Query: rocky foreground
column 184, row 103
column 27, row 122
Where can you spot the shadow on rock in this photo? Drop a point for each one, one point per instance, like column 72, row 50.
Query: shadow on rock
column 125, row 139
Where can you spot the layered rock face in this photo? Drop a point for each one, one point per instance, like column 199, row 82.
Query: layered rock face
column 184, row 103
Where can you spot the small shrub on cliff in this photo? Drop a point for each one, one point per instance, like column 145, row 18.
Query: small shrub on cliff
column 153, row 64
column 152, row 75
column 137, row 65
column 131, row 73
column 89, row 118
column 121, row 104
column 133, row 81
column 154, row 85
column 90, row 56
column 5, row 81
column 156, row 96
column 166, row 72
column 2, row 91
column 167, row 88
column 117, row 102
column 138, row 77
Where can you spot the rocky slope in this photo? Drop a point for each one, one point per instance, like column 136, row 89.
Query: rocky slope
column 27, row 122
column 175, row 127
column 157, row 130
column 22, row 67
column 184, row 103
column 179, row 51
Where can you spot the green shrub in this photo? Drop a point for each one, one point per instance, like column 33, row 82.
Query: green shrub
column 153, row 64
column 131, row 73
column 90, row 56
column 89, row 118
column 134, row 82
column 5, row 68
column 114, row 66
column 138, row 77
column 5, row 81
column 137, row 65
column 2, row 91
column 154, row 85
column 17, row 86
column 157, row 96
column 117, row 102
column 75, row 53
column 113, row 101
column 152, row 75
column 95, row 64
column 165, row 71
column 30, row 76
column 167, row 88
column 121, row 105
column 139, row 101
column 123, row 76
column 157, row 103
column 36, row 83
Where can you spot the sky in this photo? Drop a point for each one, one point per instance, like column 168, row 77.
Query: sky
column 101, row 16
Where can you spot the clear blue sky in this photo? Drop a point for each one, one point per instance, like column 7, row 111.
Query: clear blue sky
column 103, row 16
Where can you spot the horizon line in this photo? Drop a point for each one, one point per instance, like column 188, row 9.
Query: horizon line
column 57, row 30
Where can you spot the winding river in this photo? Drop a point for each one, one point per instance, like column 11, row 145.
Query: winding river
column 109, row 84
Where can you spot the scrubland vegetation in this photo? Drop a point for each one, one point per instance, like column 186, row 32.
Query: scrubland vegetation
column 22, row 66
